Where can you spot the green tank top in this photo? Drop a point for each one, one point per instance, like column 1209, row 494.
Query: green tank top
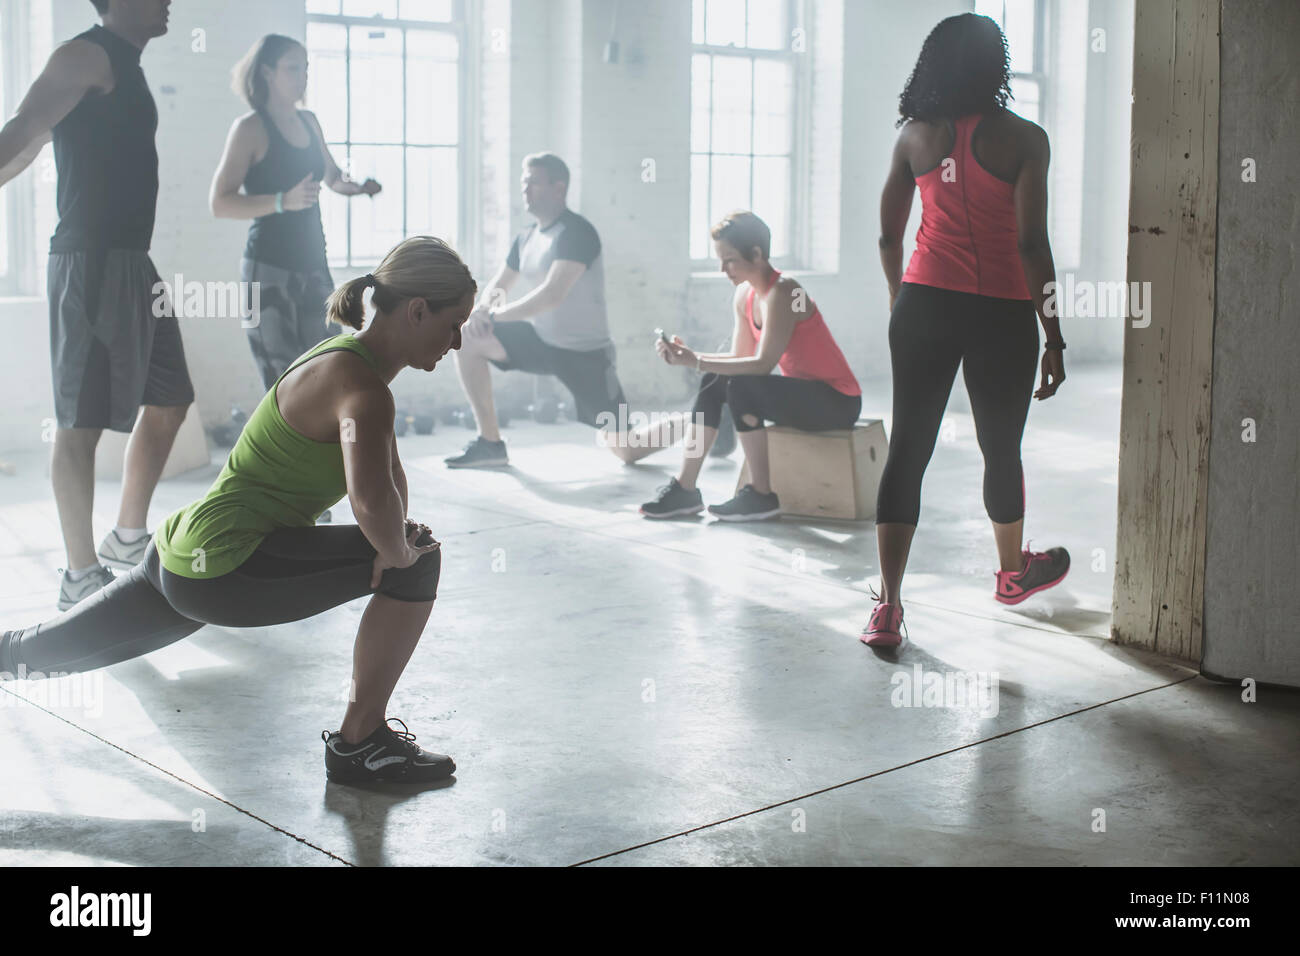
column 274, row 478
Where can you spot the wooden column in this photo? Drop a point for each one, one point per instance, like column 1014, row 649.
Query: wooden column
column 1165, row 416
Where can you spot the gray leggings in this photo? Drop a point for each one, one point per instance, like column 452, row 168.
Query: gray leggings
column 294, row 574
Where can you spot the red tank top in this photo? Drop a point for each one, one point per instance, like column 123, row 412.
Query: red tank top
column 968, row 238
column 812, row 352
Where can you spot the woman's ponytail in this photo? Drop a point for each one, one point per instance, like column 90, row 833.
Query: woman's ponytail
column 346, row 304
column 421, row 266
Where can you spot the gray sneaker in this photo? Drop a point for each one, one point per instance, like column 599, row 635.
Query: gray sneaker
column 73, row 592
column 117, row 553
column 480, row 453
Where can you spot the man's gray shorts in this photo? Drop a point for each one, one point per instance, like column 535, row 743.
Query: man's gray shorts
column 109, row 352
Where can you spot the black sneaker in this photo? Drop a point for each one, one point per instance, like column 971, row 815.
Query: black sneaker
column 386, row 756
column 480, row 453
column 1042, row 570
column 674, row 500
column 748, row 505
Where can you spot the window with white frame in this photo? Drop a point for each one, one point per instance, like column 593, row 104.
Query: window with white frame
column 1047, row 43
column 16, row 223
column 746, row 78
column 1022, row 23
column 385, row 79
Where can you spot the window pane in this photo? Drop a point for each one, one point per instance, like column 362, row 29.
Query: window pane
column 701, row 71
column 701, row 244
column 772, row 200
column 432, row 88
column 773, row 92
column 697, row 21
column 1025, row 98
column 732, row 102
column 730, row 186
column 4, row 193
column 334, row 212
column 767, row 27
column 323, row 6
column 376, row 107
column 370, row 8
column 725, row 22
column 432, row 193
column 439, row 10
column 327, row 77
column 1019, row 29
column 377, row 221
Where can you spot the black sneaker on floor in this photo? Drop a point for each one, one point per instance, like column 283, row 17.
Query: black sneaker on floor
column 386, row 756
column 480, row 453
column 1042, row 570
column 748, row 505
column 673, row 501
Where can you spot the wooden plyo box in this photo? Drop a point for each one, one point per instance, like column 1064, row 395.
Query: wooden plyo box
column 826, row 474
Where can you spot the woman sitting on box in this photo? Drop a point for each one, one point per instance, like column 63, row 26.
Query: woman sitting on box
column 777, row 325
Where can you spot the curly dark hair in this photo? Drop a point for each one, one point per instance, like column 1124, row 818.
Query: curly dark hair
column 963, row 68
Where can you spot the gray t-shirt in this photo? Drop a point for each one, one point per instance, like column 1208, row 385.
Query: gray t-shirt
column 579, row 322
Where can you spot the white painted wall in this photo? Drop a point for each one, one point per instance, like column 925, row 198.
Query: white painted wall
column 550, row 89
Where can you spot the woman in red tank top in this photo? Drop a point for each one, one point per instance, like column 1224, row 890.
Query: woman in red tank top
column 972, row 296
column 777, row 326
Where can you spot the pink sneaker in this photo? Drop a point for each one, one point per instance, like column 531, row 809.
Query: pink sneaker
column 885, row 627
column 1042, row 570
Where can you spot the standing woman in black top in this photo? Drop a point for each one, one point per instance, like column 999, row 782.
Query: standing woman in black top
column 277, row 154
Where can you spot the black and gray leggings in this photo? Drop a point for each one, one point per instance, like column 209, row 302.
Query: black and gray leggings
column 294, row 574
column 995, row 341
column 801, row 403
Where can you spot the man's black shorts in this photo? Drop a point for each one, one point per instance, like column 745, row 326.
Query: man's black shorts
column 590, row 376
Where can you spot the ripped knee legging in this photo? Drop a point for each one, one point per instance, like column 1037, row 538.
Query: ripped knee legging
column 802, row 403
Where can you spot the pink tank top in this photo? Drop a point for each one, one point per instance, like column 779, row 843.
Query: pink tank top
column 967, row 241
column 812, row 352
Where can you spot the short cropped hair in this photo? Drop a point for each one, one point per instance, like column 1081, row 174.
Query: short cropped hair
column 744, row 231
column 556, row 169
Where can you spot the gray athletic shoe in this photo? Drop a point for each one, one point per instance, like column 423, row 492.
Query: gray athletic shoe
column 748, row 505
column 116, row 553
column 480, row 453
column 73, row 592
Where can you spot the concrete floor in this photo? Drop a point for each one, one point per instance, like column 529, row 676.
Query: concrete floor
column 641, row 693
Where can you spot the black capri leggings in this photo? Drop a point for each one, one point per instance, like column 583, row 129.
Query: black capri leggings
column 795, row 402
column 995, row 341
column 294, row 574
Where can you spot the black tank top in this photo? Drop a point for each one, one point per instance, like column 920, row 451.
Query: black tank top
column 107, row 160
column 293, row 240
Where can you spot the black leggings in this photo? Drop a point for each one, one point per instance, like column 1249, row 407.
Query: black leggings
column 795, row 402
column 995, row 341
column 294, row 574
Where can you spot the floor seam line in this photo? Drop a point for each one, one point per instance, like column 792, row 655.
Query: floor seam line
column 878, row 773
column 182, row 780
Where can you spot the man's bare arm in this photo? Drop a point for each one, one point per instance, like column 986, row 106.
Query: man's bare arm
column 559, row 282
column 74, row 69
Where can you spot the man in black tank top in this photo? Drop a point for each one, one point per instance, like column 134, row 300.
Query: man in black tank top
column 109, row 352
